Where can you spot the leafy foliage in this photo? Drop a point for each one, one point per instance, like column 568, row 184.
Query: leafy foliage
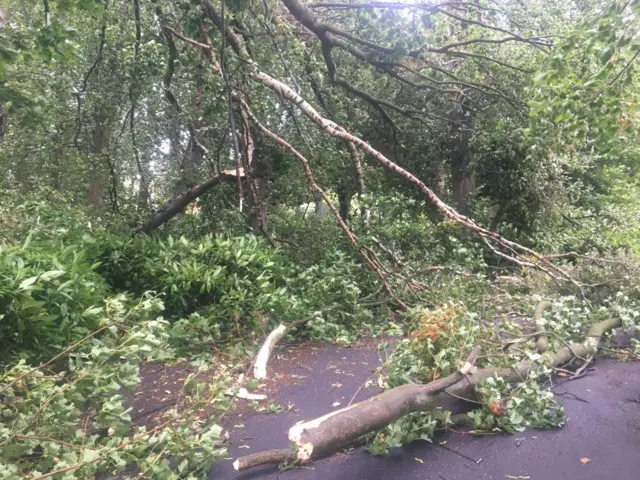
column 523, row 117
column 50, row 296
column 53, row 422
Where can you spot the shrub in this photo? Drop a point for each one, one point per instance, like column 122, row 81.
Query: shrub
column 223, row 278
column 50, row 296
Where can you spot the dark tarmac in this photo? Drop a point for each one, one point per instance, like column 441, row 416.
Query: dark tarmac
column 603, row 425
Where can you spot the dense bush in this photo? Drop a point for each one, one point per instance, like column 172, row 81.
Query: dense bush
column 235, row 283
column 223, row 278
column 50, row 296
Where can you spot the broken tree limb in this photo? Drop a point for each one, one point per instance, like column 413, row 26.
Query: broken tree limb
column 518, row 252
column 262, row 458
column 563, row 356
column 179, row 203
column 328, row 434
column 542, row 341
column 260, row 367
column 371, row 260
column 325, row 435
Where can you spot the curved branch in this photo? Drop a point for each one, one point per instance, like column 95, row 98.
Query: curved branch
column 376, row 103
column 314, row 187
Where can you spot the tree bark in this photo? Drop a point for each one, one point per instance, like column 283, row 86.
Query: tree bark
column 344, row 200
column 257, row 200
column 319, row 208
column 440, row 180
column 180, row 202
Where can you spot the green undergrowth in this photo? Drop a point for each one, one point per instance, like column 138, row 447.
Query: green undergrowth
column 84, row 304
column 70, row 416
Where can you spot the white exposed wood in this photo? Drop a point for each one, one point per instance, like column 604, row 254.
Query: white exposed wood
column 244, row 394
column 260, row 367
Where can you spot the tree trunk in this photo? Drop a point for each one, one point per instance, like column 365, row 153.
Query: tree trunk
column 344, row 199
column 99, row 148
column 440, row 177
column 319, row 210
column 462, row 178
column 257, row 200
column 495, row 216
column 192, row 159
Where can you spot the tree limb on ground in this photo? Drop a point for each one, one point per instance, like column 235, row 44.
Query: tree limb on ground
column 542, row 340
column 260, row 367
column 328, row 434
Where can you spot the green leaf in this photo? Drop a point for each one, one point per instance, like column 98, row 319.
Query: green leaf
column 25, row 284
column 89, row 455
column 607, row 53
column 52, row 274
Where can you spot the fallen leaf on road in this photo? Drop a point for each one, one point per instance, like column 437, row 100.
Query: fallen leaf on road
column 418, row 460
column 585, row 460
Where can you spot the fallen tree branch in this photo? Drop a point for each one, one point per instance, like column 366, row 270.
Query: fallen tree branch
column 179, row 203
column 325, row 435
column 518, row 253
column 260, row 367
column 336, row 130
column 371, row 260
column 542, row 341
column 262, row 458
column 328, row 434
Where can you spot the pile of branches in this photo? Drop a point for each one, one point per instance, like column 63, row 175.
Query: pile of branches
column 321, row 437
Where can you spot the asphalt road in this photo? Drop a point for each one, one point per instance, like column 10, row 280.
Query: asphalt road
column 603, row 426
